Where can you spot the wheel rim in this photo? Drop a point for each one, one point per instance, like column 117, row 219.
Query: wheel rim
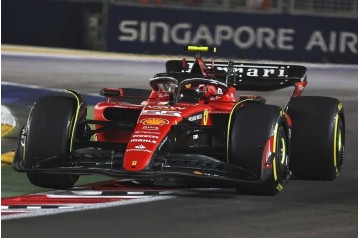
column 283, row 151
column 281, row 155
column 340, row 145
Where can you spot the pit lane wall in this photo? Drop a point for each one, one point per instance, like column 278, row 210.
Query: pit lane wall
column 156, row 30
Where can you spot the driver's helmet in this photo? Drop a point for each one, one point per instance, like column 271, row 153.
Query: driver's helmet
column 191, row 93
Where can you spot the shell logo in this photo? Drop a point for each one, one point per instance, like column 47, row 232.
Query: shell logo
column 154, row 121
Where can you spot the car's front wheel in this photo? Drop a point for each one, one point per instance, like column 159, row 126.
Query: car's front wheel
column 259, row 141
column 47, row 139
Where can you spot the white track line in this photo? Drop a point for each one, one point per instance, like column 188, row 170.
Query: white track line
column 42, row 88
column 6, row 117
column 84, row 208
column 109, row 56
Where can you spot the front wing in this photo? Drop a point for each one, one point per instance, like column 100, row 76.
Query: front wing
column 191, row 168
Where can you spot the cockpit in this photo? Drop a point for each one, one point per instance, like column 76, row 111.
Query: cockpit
column 182, row 89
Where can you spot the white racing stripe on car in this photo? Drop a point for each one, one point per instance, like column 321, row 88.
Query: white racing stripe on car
column 23, row 213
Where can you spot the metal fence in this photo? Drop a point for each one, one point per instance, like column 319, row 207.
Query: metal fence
column 344, row 8
column 336, row 8
column 235, row 5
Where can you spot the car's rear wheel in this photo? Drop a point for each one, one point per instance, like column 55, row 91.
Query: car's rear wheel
column 258, row 141
column 318, row 137
column 48, row 139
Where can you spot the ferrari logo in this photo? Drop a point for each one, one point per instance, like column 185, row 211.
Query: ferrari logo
column 206, row 116
column 188, row 86
column 134, row 163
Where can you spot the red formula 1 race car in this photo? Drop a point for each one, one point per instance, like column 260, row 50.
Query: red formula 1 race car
column 191, row 130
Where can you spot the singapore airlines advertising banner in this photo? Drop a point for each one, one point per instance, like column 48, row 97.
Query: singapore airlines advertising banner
column 237, row 35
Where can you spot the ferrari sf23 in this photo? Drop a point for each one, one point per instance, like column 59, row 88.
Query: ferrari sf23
column 190, row 130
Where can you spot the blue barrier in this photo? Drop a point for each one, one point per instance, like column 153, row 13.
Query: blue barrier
column 133, row 29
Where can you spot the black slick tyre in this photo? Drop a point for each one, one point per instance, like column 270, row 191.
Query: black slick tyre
column 49, row 132
column 318, row 137
column 258, row 141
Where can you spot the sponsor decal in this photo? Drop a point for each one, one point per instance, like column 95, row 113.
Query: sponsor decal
column 154, row 121
column 215, row 98
column 150, row 128
column 139, row 148
column 245, row 70
column 161, row 113
column 145, row 136
column 166, row 108
column 206, row 116
column 219, row 112
column 147, row 132
column 241, row 37
column 256, row 71
column 144, row 141
column 195, row 117
column 164, row 95
column 335, row 39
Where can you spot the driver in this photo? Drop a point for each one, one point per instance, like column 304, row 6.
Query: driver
column 195, row 92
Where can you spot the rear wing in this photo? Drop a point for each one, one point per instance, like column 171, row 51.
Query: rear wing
column 247, row 76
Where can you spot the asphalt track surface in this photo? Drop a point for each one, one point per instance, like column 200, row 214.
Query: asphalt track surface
column 304, row 209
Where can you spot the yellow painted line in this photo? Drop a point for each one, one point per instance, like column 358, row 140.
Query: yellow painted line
column 7, row 159
column 6, row 129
